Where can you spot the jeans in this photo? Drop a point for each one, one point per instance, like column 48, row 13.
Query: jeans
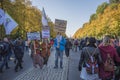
column 59, row 54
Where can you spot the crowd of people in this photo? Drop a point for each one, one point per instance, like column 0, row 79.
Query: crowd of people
column 99, row 59
column 9, row 47
column 15, row 50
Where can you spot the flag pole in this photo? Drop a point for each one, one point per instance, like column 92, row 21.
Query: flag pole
column 1, row 1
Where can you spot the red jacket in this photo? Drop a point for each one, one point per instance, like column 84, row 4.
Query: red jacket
column 112, row 51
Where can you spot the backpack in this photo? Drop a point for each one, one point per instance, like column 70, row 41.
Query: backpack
column 91, row 64
column 4, row 48
column 109, row 64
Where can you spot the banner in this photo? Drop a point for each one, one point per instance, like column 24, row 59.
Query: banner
column 44, row 20
column 60, row 25
column 33, row 36
column 45, row 34
column 2, row 16
column 9, row 23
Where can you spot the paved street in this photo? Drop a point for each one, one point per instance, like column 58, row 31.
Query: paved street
column 10, row 74
column 69, row 71
column 73, row 65
column 47, row 73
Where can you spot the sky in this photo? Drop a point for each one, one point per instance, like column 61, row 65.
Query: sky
column 76, row 12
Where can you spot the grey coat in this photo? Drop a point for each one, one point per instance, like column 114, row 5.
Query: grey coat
column 85, row 56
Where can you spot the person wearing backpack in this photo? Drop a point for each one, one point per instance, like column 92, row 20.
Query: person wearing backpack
column 109, row 55
column 18, row 51
column 4, row 54
column 89, row 61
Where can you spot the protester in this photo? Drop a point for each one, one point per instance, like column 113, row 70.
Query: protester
column 89, row 61
column 73, row 46
column 109, row 55
column 4, row 54
column 79, row 44
column 27, row 46
column 51, row 43
column 18, row 51
column 76, row 44
column 59, row 44
column 37, row 59
column 10, row 48
column 31, row 45
column 45, row 50
column 68, row 45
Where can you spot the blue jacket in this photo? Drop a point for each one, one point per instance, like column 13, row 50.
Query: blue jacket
column 62, row 44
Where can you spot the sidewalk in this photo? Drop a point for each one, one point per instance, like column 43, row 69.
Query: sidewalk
column 48, row 72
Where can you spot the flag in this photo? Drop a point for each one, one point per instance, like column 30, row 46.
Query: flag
column 2, row 15
column 9, row 23
column 44, row 18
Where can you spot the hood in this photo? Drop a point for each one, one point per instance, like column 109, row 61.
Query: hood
column 106, row 49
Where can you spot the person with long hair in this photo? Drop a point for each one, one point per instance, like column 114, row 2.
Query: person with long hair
column 107, row 52
column 37, row 59
column 45, row 50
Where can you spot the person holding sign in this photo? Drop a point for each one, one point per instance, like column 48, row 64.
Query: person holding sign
column 37, row 59
column 59, row 44
column 45, row 50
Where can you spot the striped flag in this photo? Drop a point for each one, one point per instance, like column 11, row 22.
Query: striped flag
column 2, row 15
column 9, row 23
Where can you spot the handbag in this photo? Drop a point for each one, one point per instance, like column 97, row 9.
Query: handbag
column 83, row 73
column 109, row 64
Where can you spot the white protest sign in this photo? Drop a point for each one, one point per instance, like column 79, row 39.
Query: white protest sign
column 33, row 36
column 45, row 34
